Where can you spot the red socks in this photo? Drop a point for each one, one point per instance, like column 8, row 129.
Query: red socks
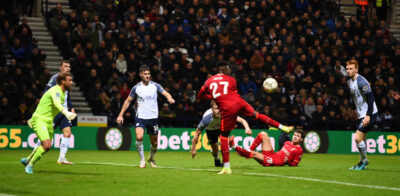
column 243, row 152
column 256, row 142
column 267, row 120
column 224, row 149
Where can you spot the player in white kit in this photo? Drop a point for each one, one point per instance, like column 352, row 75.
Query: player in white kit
column 147, row 112
column 211, row 122
column 367, row 111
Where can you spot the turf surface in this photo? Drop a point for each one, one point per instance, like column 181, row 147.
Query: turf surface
column 117, row 173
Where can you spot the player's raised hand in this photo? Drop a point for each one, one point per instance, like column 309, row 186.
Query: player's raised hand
column 248, row 131
column 366, row 121
column 193, row 152
column 68, row 115
column 120, row 120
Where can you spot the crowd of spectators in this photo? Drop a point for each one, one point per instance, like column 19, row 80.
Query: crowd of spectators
column 23, row 72
column 304, row 44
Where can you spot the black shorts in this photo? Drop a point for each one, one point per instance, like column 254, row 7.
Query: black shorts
column 370, row 125
column 61, row 121
column 151, row 125
column 212, row 136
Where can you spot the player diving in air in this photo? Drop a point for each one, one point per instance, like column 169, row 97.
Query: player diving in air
column 222, row 88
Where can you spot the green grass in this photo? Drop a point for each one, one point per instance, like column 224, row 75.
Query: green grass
column 91, row 175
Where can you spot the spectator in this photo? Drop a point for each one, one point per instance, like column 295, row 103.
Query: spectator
column 247, row 85
column 309, row 108
column 121, row 64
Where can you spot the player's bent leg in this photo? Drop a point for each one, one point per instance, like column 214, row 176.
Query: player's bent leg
column 258, row 157
column 240, row 151
column 64, row 146
column 266, row 142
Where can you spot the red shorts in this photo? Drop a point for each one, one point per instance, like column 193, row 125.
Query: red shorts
column 272, row 159
column 229, row 114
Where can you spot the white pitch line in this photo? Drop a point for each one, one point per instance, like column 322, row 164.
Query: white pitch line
column 3, row 194
column 269, row 175
column 326, row 181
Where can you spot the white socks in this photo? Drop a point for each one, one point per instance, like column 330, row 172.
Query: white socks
column 64, row 147
column 227, row 164
column 363, row 151
column 139, row 147
column 153, row 151
column 37, row 144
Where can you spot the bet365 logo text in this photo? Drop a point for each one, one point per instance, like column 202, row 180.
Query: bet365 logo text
column 12, row 138
column 382, row 144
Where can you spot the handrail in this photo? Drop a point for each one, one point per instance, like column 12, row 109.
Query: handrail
column 44, row 9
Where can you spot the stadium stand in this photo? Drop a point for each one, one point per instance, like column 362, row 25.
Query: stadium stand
column 304, row 44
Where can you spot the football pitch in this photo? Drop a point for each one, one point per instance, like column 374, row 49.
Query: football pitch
column 117, row 173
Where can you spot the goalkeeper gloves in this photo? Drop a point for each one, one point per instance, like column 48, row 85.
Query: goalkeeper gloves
column 69, row 115
column 29, row 123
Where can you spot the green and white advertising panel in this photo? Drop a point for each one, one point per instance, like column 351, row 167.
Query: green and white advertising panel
column 179, row 139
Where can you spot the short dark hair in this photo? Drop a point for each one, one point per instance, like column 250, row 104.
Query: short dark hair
column 64, row 61
column 144, row 68
column 62, row 76
column 301, row 132
column 222, row 66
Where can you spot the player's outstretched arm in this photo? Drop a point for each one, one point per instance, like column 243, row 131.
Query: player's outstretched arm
column 203, row 94
column 245, row 125
column 127, row 102
column 168, row 96
column 194, row 142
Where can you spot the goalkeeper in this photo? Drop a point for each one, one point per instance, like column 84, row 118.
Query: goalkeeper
column 49, row 106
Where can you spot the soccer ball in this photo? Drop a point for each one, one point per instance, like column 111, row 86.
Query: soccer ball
column 270, row 85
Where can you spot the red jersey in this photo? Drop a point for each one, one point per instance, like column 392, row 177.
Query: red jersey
column 222, row 88
column 290, row 154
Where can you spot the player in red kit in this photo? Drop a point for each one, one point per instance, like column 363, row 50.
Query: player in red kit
column 222, row 88
column 290, row 154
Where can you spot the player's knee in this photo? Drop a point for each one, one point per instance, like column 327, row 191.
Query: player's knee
column 358, row 137
column 263, row 134
column 46, row 145
column 139, row 138
column 67, row 132
column 358, row 140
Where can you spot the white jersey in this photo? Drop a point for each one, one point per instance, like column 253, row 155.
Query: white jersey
column 208, row 122
column 358, row 89
column 147, row 99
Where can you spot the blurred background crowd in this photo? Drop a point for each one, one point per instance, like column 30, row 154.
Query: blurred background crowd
column 303, row 44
